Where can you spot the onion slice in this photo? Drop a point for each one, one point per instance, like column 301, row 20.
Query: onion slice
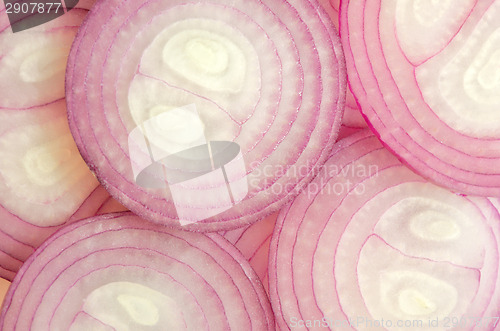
column 44, row 183
column 427, row 79
column 119, row 272
column 33, row 62
column 369, row 242
column 155, row 78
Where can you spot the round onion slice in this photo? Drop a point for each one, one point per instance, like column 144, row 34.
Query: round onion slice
column 150, row 80
column 33, row 61
column 427, row 79
column 371, row 245
column 253, row 242
column 118, row 272
column 44, row 182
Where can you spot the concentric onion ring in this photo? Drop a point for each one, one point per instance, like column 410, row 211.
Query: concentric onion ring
column 372, row 245
column 267, row 75
column 44, row 182
column 427, row 79
column 119, row 272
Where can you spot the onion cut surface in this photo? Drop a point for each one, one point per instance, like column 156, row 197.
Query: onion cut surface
column 371, row 245
column 427, row 79
column 118, row 272
column 44, row 183
column 268, row 76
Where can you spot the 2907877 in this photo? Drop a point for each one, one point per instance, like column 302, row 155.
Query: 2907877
column 33, row 7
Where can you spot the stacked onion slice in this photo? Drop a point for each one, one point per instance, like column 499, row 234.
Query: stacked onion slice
column 370, row 244
column 267, row 75
column 427, row 79
column 44, row 183
column 118, row 272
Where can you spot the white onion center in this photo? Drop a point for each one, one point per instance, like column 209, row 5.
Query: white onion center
column 49, row 163
column 207, row 59
column 420, row 251
column 41, row 165
column 44, row 64
column 433, row 226
column 184, row 65
column 415, row 294
column 127, row 306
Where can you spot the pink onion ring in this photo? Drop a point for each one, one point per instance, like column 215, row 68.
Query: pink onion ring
column 44, row 183
column 268, row 76
column 118, row 271
column 371, row 245
column 426, row 78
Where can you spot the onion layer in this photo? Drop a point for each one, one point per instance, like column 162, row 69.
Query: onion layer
column 118, row 272
column 44, row 182
column 268, row 76
column 369, row 244
column 427, row 79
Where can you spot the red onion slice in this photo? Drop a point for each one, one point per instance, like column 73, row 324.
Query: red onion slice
column 118, row 272
column 271, row 79
column 426, row 77
column 32, row 62
column 369, row 241
column 44, row 182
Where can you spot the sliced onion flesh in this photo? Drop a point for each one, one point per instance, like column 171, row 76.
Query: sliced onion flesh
column 370, row 241
column 426, row 77
column 120, row 272
column 44, row 182
column 268, row 76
